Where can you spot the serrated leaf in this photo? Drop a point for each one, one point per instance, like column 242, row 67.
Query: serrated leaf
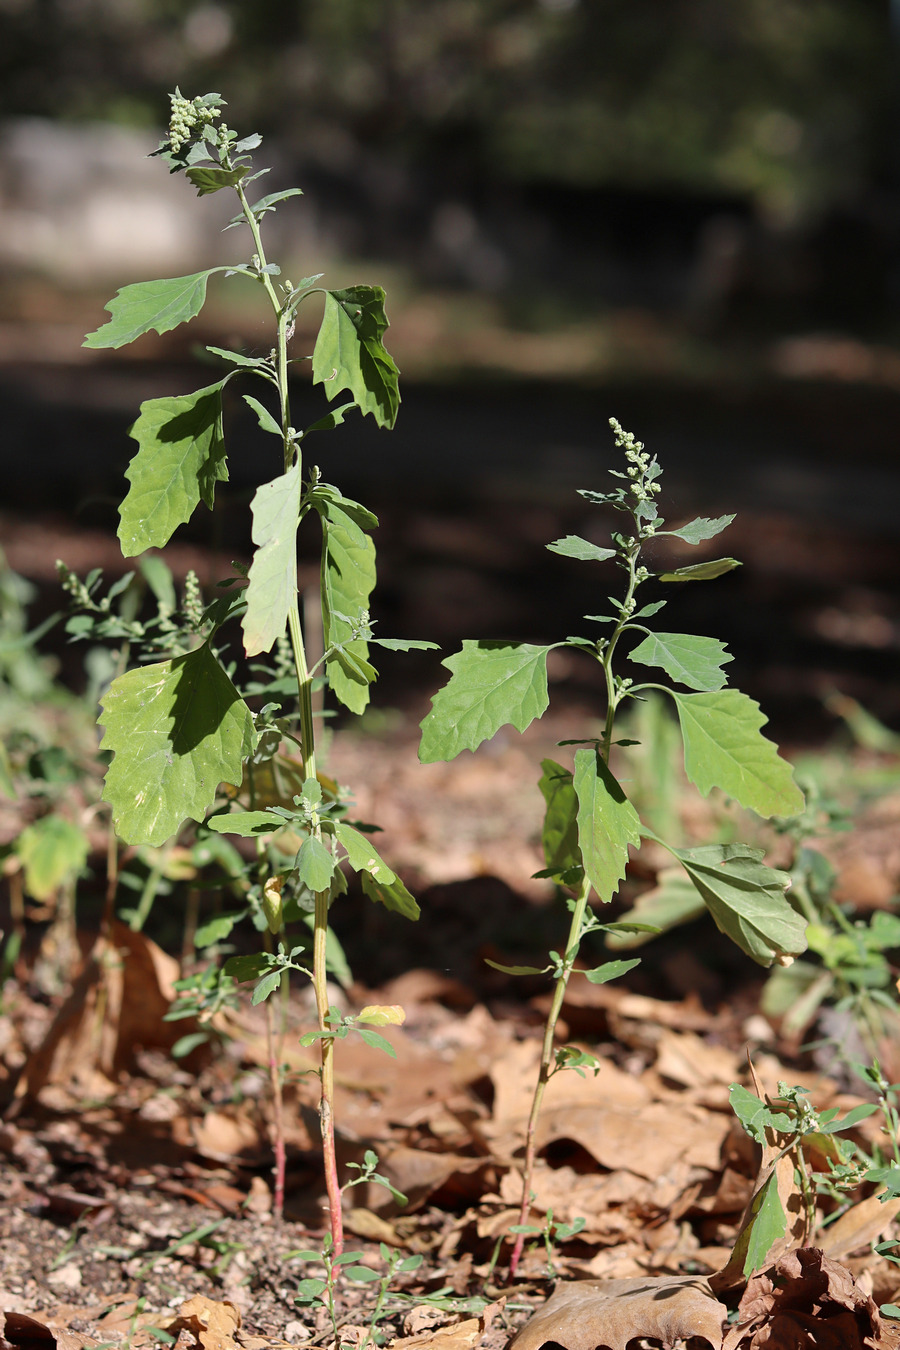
column 263, row 416
column 724, row 748
column 492, row 683
column 247, row 824
column 379, row 881
column 610, row 970
column 348, row 578
column 694, row 661
column 215, row 930
column 50, row 850
column 177, row 730
column 145, row 305
column 704, row 571
column 349, row 353
column 702, row 528
column 574, row 547
column 180, row 460
column 607, row 823
column 211, row 178
column 746, row 899
column 267, row 985
column 405, row 644
column 272, row 579
column 315, row 865
column 331, row 419
column 559, row 833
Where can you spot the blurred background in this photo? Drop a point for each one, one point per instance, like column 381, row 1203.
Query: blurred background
column 683, row 213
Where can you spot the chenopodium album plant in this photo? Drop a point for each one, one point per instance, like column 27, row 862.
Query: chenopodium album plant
column 590, row 823
column 180, row 728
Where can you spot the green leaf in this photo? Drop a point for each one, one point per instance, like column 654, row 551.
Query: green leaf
column 268, row 204
column 611, row 970
column 158, row 577
column 180, row 460
column 768, row 1225
column 702, row 528
column 267, row 985
column 50, row 850
column 705, row 571
column 405, row 645
column 348, row 578
column 247, row 824
column 559, row 834
column 515, row 970
column 724, row 748
column 315, row 865
column 331, row 419
column 177, row 730
column 272, row 580
column 210, row 178
column 349, row 353
column 160, row 305
column 746, row 899
column 379, row 881
column 492, row 683
column 574, row 547
column 672, row 901
column 377, row 1041
column 239, row 358
column 7, row 786
column 607, row 823
column 694, row 661
column 853, row 1117
column 753, row 1113
column 216, row 929
column 244, row 968
column 263, row 416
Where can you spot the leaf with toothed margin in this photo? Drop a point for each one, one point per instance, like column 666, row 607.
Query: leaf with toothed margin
column 492, row 683
column 145, row 305
column 177, row 730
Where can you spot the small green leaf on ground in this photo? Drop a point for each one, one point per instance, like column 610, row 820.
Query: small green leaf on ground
column 492, row 683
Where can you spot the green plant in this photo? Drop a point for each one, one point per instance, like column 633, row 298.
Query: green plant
column 550, row 1233
column 179, row 727
column 590, row 823
column 315, row 1290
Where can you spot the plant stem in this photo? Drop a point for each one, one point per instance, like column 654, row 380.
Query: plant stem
column 308, row 743
column 544, row 1073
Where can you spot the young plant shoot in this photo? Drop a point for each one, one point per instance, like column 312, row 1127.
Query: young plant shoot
column 590, row 823
column 180, row 728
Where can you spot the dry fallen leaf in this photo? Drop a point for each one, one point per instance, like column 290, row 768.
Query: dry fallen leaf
column 807, row 1300
column 212, row 1324
column 18, row 1329
column 584, row 1314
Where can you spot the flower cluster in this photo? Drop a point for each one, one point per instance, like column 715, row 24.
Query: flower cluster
column 187, row 115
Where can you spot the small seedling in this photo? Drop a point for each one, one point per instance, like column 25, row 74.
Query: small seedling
column 551, row 1233
column 590, row 824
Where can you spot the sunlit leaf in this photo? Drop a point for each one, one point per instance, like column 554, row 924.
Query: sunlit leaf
column 559, row 835
column 159, row 305
column 315, row 865
column 492, row 683
column 694, row 661
column 379, row 881
column 180, row 459
column 272, row 580
column 702, row 528
column 349, row 352
column 177, row 730
column 51, row 850
column 724, row 748
column 348, row 578
column 607, row 823
column 574, row 547
column 746, row 899
column 704, row 571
